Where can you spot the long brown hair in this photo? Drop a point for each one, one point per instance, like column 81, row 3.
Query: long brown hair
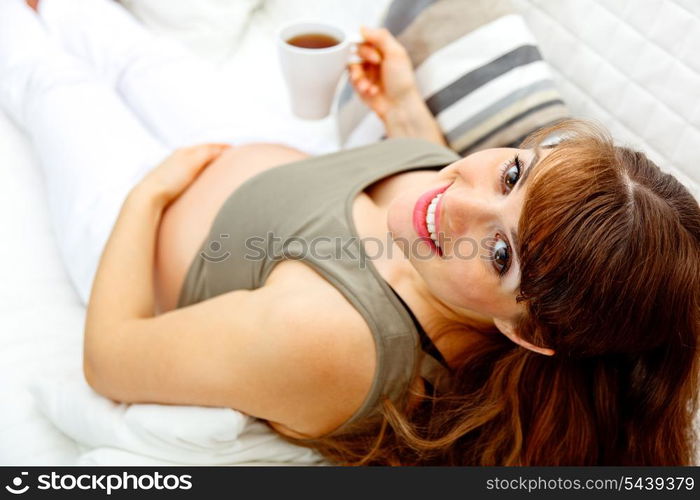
column 610, row 279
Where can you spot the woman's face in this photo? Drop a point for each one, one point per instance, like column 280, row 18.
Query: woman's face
column 472, row 210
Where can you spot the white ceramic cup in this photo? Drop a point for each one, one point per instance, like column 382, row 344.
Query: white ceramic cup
column 312, row 75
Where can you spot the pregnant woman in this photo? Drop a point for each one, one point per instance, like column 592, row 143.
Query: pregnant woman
column 391, row 304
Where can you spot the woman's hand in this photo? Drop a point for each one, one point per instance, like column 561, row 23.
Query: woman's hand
column 171, row 178
column 385, row 82
column 384, row 79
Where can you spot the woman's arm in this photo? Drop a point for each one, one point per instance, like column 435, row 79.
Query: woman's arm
column 385, row 81
column 412, row 118
column 123, row 288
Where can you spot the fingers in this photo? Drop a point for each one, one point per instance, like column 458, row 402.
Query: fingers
column 365, row 79
column 379, row 44
column 383, row 40
column 365, row 76
column 374, row 76
column 201, row 153
column 369, row 53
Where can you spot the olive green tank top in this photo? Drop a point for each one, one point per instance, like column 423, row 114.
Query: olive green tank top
column 303, row 211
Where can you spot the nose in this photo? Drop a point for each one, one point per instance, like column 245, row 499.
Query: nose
column 464, row 208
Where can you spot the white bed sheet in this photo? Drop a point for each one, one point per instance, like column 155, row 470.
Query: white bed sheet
column 41, row 318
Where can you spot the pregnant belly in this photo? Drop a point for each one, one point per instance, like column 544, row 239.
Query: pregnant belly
column 186, row 222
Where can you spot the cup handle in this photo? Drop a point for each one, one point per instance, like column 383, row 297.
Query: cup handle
column 354, row 41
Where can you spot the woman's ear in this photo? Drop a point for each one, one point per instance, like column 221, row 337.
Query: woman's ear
column 507, row 328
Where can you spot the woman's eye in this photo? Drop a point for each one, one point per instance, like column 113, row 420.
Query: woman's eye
column 501, row 256
column 511, row 175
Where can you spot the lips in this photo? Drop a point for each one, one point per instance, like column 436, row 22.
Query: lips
column 420, row 210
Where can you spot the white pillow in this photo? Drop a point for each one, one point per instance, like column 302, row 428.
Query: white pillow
column 164, row 433
column 212, row 28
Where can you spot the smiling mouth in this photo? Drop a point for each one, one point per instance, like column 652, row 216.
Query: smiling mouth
column 431, row 220
column 426, row 218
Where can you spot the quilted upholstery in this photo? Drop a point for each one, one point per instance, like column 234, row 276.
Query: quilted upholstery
column 634, row 66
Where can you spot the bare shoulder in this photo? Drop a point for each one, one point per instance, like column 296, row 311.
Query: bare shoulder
column 339, row 342
column 342, row 345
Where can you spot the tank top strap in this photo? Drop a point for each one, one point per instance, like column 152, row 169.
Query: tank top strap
column 435, row 373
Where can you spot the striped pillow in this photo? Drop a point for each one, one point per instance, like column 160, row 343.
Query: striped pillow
column 478, row 68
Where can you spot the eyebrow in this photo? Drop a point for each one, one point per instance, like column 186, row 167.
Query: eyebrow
column 529, row 169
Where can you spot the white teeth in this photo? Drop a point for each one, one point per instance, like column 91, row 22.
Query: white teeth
column 430, row 219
